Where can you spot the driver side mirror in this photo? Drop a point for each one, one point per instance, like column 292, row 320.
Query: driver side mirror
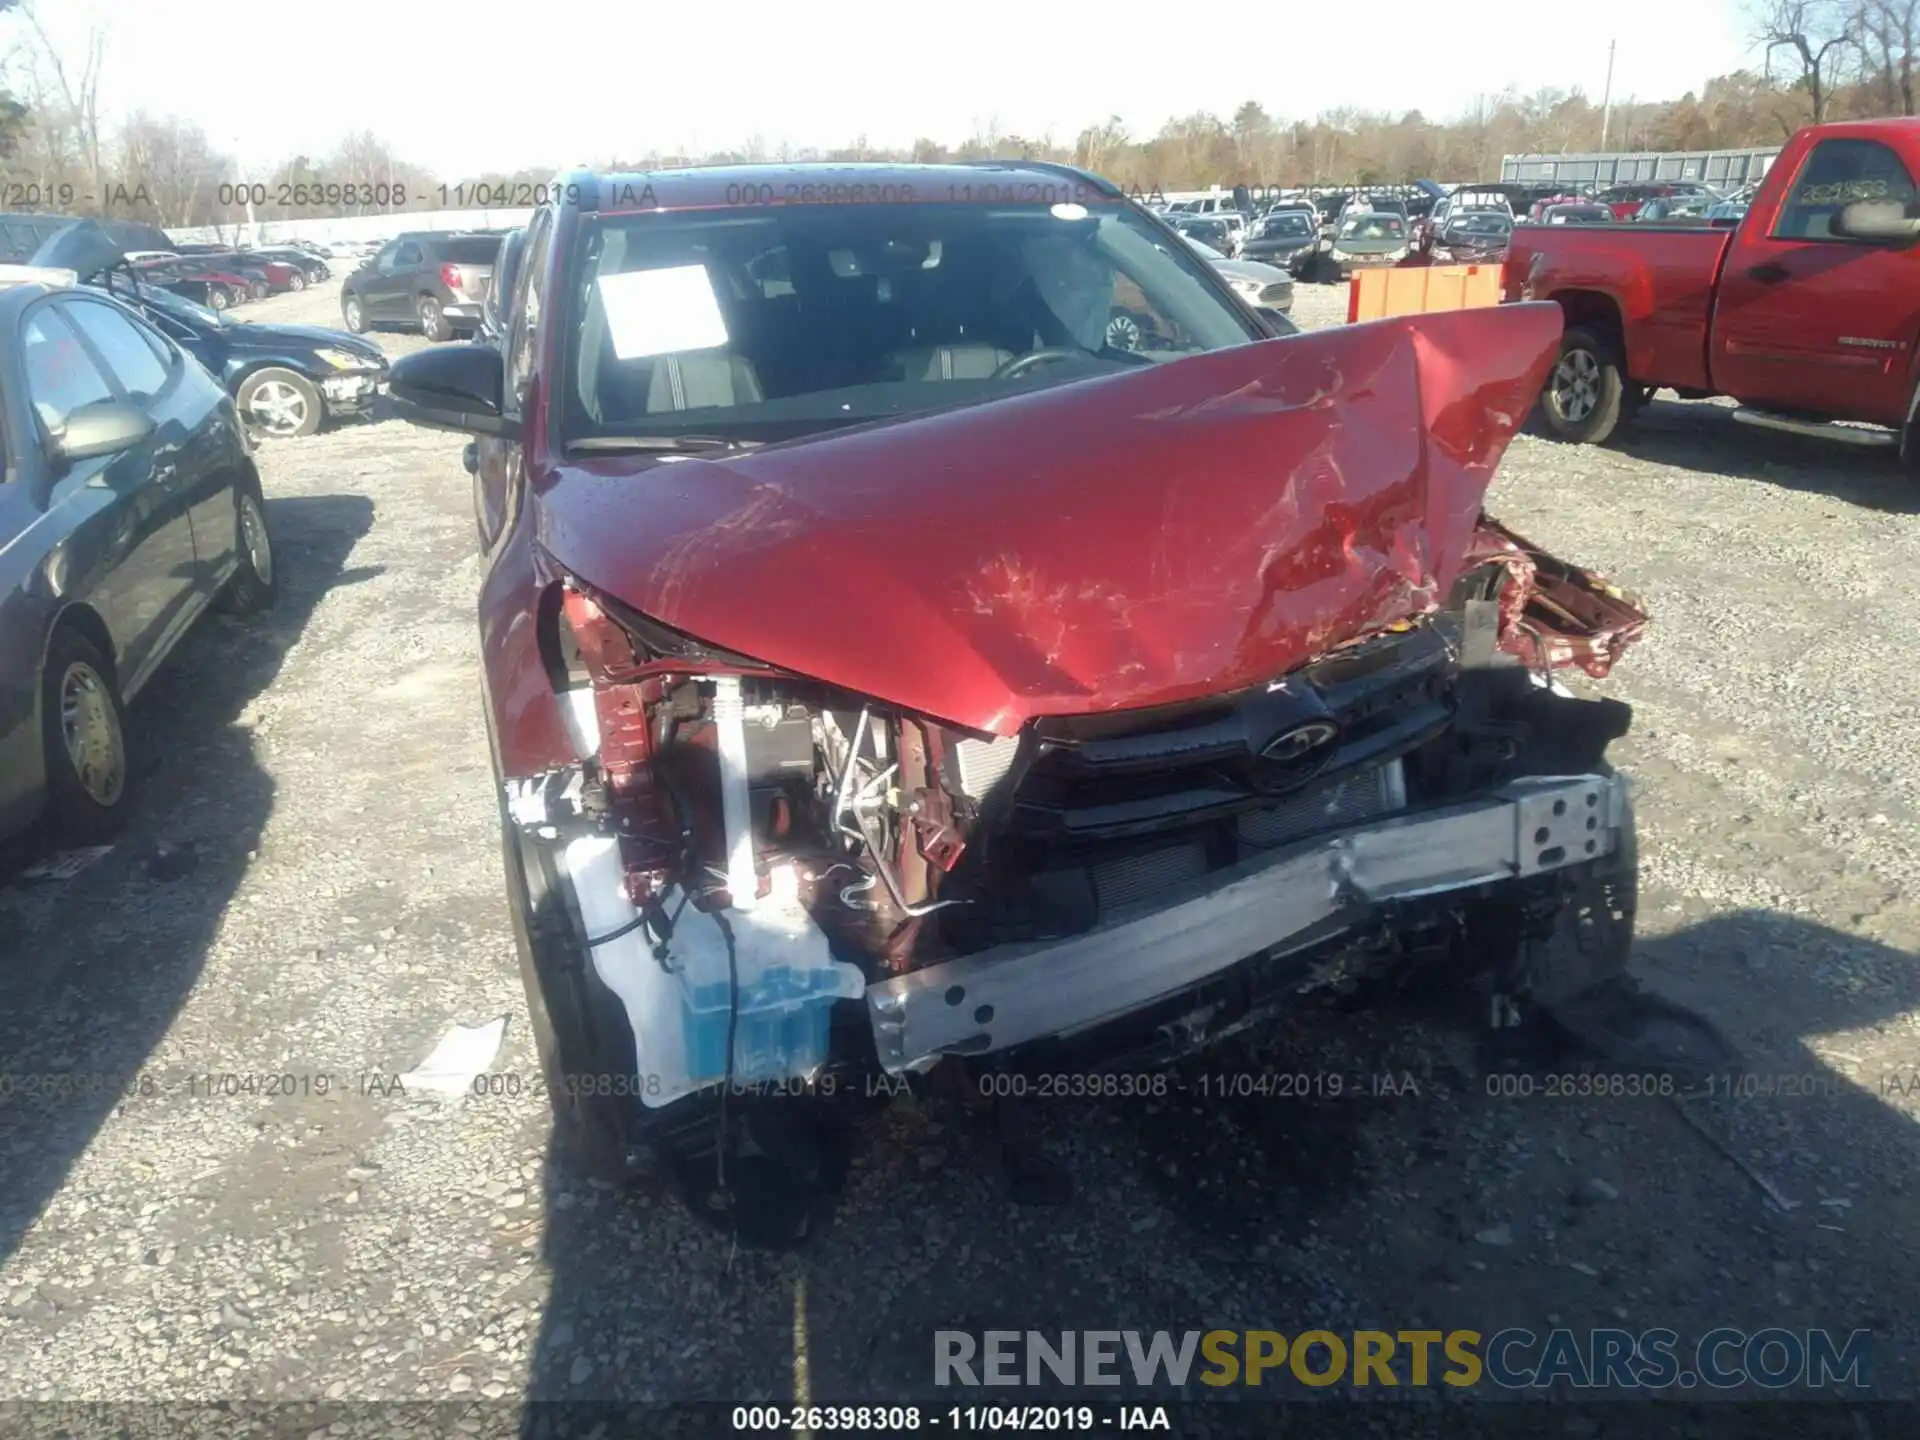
column 454, row 387
column 1885, row 220
column 106, row 427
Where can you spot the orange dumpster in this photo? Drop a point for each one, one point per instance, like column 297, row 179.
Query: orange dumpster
column 1378, row 294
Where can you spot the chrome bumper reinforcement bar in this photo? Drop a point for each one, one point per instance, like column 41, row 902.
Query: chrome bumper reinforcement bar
column 1015, row 993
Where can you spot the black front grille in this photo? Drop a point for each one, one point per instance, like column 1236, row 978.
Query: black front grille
column 1096, row 813
column 1135, row 774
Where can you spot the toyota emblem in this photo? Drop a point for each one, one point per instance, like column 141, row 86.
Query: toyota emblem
column 1290, row 745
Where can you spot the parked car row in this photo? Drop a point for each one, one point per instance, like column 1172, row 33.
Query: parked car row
column 287, row 380
column 220, row 278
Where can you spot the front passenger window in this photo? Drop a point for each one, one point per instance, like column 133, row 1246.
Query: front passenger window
column 1837, row 174
column 133, row 358
column 61, row 376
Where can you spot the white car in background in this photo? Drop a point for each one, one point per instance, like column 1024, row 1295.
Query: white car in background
column 1265, row 287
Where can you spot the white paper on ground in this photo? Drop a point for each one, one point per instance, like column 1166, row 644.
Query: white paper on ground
column 662, row 312
column 463, row 1053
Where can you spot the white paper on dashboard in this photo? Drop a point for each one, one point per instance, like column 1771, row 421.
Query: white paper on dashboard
column 661, row 312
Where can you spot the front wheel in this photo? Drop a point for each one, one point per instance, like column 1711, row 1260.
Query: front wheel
column 280, row 403
column 433, row 320
column 1586, row 392
column 217, row 297
column 298, row 282
column 84, row 725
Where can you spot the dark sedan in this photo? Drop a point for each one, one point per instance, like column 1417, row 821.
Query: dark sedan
column 1473, row 237
column 1281, row 238
column 286, row 379
column 131, row 505
column 1364, row 239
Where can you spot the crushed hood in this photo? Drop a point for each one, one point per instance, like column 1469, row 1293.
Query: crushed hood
column 1187, row 529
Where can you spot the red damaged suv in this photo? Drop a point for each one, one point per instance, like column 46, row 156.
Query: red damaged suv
column 886, row 676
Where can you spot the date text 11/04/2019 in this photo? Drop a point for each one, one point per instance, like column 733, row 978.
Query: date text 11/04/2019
column 961, row 1419
column 1078, row 1085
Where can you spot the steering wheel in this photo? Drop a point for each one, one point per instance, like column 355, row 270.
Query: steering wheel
column 1021, row 364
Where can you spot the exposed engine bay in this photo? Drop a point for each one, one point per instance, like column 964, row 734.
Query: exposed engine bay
column 747, row 847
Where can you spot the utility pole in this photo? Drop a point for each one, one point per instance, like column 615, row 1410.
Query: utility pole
column 1606, row 97
column 246, row 190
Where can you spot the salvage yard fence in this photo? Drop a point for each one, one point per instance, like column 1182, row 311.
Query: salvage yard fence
column 1625, row 167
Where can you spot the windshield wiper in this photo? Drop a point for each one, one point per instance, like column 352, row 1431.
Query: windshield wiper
column 673, row 444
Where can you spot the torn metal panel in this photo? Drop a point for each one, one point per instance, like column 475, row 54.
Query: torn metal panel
column 1553, row 614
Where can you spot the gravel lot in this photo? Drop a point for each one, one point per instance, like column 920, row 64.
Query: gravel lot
column 311, row 885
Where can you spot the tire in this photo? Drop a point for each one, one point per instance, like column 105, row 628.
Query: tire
column 280, row 403
column 84, row 729
column 433, row 320
column 577, row 1024
column 260, row 289
column 1585, row 396
column 255, row 585
column 298, row 282
column 218, row 298
column 353, row 313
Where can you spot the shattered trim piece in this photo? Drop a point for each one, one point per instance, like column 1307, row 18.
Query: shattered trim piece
column 1553, row 614
column 1016, row 993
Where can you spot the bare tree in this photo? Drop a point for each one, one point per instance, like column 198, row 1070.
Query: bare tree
column 174, row 163
column 78, row 88
column 1885, row 39
column 1099, row 145
column 1819, row 35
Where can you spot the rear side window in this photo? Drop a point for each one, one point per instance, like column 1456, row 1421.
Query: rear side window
column 470, row 250
column 61, row 376
column 1838, row 173
column 136, row 361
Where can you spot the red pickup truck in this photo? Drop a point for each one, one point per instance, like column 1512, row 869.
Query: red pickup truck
column 1807, row 311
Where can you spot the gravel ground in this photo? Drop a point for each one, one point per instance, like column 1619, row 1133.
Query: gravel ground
column 310, row 885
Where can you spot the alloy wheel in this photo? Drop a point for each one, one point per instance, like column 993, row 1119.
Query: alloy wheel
column 91, row 728
column 277, row 407
column 1576, row 385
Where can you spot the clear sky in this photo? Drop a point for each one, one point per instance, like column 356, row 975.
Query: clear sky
column 466, row 87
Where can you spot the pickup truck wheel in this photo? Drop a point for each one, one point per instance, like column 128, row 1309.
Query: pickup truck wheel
column 1585, row 394
column 433, row 320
